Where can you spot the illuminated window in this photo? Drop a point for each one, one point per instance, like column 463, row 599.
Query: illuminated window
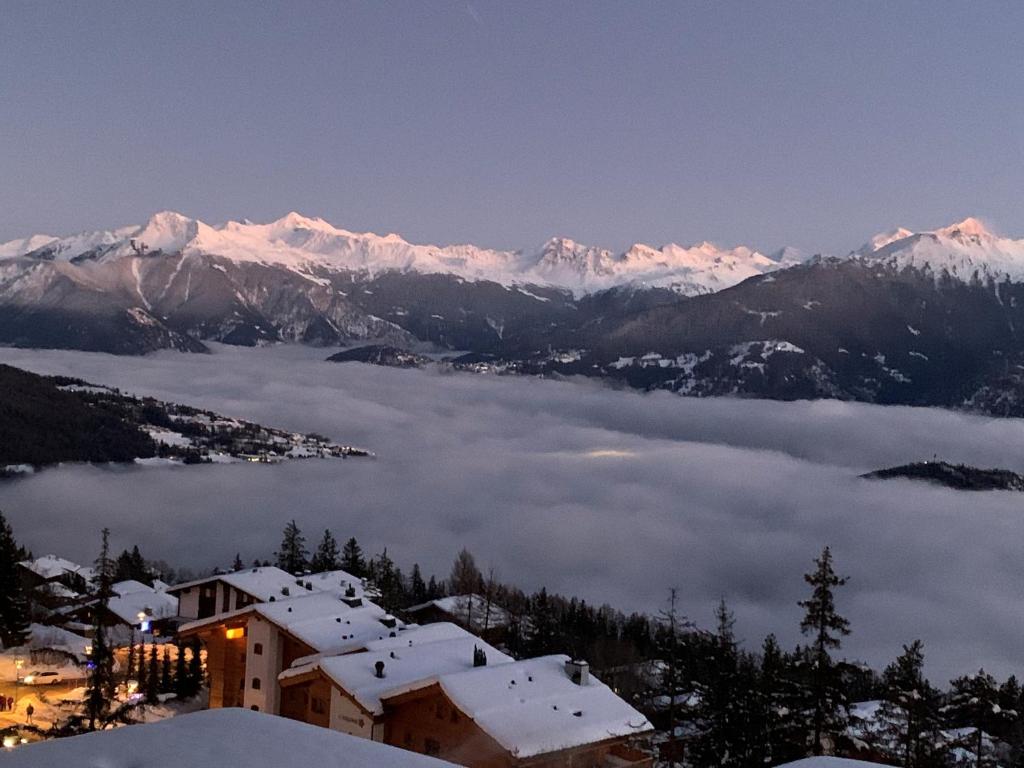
column 234, row 633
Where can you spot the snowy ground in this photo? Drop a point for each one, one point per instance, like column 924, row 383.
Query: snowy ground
column 614, row 496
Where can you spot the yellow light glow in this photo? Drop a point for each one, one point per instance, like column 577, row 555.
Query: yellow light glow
column 234, row 633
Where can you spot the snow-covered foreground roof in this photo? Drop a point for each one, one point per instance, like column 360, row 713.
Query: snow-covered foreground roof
column 532, row 707
column 217, row 738
column 408, row 663
column 829, row 762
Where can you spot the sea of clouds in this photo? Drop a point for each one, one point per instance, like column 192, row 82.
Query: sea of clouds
column 612, row 496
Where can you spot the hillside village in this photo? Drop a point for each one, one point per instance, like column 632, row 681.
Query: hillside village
column 464, row 670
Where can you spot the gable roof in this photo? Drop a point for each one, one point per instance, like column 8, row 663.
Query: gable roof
column 410, row 661
column 474, row 607
column 532, row 707
column 214, row 738
column 52, row 567
column 321, row 620
column 266, row 582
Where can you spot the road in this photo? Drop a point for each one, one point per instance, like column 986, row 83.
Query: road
column 7, row 688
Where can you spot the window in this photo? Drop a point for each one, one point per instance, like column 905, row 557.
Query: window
column 431, row 747
column 257, row 649
column 319, row 706
column 255, row 683
column 254, row 708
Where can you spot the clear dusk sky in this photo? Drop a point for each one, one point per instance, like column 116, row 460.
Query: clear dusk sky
column 765, row 123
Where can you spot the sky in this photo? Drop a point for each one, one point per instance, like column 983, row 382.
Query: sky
column 811, row 124
column 613, row 496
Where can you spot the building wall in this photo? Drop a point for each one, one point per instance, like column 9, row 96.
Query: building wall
column 225, row 662
column 347, row 717
column 432, row 725
column 308, row 702
column 188, row 603
column 277, row 652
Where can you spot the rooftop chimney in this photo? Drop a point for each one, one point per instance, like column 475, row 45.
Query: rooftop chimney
column 479, row 657
column 378, row 669
column 578, row 671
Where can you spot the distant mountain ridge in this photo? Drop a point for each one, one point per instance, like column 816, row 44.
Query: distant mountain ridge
column 917, row 318
column 305, row 244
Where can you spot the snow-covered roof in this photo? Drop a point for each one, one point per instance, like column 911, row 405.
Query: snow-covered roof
column 408, row 664
column 52, row 567
column 267, row 582
column 321, row 620
column 45, row 636
column 828, row 762
column 326, row 623
column 156, row 605
column 129, row 586
column 417, row 635
column 214, row 739
column 472, row 606
column 533, row 707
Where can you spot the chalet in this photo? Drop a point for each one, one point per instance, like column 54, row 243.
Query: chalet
column 249, row 647
column 476, row 613
column 344, row 692
column 135, row 609
column 54, row 582
column 547, row 711
column 226, row 592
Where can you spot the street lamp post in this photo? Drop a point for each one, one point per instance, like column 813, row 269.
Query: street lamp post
column 18, row 664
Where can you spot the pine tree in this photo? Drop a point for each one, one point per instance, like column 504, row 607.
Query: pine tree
column 14, row 608
column 910, row 711
column 974, row 704
column 153, row 678
column 292, row 556
column 182, row 688
column 166, row 680
column 725, row 690
column 417, row 587
column 826, row 628
column 101, row 686
column 434, row 590
column 777, row 702
column 130, row 664
column 237, row 565
column 195, row 668
column 670, row 685
column 542, row 634
column 352, row 561
column 326, row 557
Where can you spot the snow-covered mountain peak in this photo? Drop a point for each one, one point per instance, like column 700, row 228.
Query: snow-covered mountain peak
column 167, row 231
column 295, row 220
column 970, row 227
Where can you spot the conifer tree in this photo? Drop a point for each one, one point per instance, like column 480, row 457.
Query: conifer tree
column 153, row 676
column 101, row 687
column 130, row 664
column 326, row 556
column 434, row 590
column 542, row 635
column 974, row 704
column 14, row 607
column 237, row 565
column 417, row 587
column 670, row 685
column 910, row 711
column 777, row 701
column 292, row 555
column 352, row 560
column 195, row 668
column 825, row 627
column 166, row 679
column 182, row 688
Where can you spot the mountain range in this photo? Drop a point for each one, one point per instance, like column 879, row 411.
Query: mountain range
column 927, row 318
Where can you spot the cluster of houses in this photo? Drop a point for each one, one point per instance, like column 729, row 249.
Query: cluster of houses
column 316, row 648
